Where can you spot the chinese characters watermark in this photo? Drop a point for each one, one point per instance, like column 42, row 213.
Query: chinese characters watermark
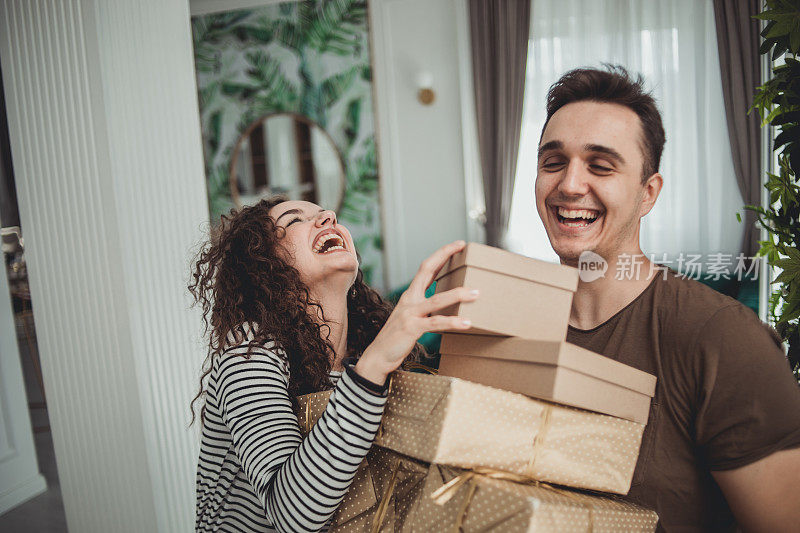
column 708, row 267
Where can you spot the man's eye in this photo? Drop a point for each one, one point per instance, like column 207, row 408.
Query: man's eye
column 292, row 222
column 601, row 169
column 551, row 165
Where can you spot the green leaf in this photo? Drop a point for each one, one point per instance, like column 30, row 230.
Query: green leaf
column 794, row 254
column 242, row 90
column 783, row 277
column 784, row 117
column 333, row 87
column 780, row 28
column 786, row 136
column 766, row 46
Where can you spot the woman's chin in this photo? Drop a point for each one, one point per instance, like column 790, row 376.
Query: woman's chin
column 334, row 274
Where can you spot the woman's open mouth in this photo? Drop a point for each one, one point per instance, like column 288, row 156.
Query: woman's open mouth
column 327, row 243
column 576, row 218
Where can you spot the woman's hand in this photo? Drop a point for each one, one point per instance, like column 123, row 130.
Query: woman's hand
column 414, row 316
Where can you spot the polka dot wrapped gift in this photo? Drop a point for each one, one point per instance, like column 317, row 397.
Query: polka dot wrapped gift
column 386, row 490
column 455, row 500
column 450, row 421
column 384, row 496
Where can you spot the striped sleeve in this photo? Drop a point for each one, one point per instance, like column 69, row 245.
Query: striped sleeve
column 300, row 482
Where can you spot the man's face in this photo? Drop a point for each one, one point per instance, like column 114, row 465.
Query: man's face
column 589, row 190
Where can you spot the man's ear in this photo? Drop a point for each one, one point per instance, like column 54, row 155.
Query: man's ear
column 650, row 191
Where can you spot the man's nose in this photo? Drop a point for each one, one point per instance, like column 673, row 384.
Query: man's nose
column 327, row 217
column 573, row 181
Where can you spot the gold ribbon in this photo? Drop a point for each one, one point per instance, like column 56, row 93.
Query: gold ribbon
column 538, row 440
column 383, row 507
column 419, row 366
column 445, row 493
column 307, row 422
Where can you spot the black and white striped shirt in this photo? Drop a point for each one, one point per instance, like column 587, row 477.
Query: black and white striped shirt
column 256, row 472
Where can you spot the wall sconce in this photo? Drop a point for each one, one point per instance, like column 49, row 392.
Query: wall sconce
column 425, row 93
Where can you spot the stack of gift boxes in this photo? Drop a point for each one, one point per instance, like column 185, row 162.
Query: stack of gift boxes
column 520, row 431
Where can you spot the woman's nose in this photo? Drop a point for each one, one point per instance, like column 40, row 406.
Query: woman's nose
column 325, row 218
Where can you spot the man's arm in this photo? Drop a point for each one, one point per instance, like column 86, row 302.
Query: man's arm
column 765, row 495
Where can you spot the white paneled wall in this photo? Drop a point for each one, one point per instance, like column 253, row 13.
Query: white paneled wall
column 19, row 472
column 421, row 148
column 106, row 149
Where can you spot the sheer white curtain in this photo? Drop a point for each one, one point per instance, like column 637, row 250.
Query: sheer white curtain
column 673, row 44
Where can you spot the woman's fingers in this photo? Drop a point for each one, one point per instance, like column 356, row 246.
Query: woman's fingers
column 444, row 299
column 431, row 266
column 444, row 323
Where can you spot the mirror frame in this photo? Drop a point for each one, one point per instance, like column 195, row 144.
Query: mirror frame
column 246, row 134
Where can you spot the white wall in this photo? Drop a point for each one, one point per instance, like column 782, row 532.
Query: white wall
column 19, row 472
column 105, row 141
column 421, row 148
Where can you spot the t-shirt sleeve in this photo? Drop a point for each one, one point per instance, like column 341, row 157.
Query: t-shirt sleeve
column 300, row 482
column 748, row 404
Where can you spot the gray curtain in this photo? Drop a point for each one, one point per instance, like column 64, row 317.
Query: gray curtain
column 9, row 214
column 740, row 65
column 499, row 35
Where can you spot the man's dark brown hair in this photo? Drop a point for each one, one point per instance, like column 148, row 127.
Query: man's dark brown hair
column 614, row 86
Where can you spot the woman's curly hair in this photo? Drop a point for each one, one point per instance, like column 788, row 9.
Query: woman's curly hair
column 240, row 277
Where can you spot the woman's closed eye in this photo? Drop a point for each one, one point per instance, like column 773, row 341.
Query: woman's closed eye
column 292, row 222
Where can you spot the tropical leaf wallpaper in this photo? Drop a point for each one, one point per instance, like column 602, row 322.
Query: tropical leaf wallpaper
column 311, row 58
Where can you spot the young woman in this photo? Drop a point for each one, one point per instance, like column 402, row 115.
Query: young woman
column 289, row 314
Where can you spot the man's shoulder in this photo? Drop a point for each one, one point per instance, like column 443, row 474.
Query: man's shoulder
column 690, row 305
column 689, row 299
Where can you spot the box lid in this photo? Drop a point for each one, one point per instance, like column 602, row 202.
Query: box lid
column 511, row 264
column 561, row 354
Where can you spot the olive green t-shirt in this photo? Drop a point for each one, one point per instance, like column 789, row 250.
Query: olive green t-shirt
column 725, row 395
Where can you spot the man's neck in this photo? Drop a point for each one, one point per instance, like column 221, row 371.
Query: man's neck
column 628, row 275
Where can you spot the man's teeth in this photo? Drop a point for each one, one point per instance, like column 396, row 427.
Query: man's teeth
column 577, row 213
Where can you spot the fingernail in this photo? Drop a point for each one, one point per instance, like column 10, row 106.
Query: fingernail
column 466, row 322
column 474, row 292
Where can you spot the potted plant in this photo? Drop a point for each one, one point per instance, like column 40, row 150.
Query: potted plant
column 778, row 103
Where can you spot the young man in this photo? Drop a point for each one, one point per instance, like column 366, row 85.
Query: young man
column 722, row 444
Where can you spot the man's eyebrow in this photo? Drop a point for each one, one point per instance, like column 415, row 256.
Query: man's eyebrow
column 599, row 148
column 550, row 145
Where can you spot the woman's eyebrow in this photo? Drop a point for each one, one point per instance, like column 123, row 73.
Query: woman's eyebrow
column 289, row 212
column 294, row 211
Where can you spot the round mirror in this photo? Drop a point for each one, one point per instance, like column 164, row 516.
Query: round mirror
column 287, row 154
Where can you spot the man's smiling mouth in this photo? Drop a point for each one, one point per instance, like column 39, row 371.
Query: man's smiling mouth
column 576, row 218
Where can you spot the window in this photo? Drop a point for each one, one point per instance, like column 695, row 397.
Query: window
column 673, row 44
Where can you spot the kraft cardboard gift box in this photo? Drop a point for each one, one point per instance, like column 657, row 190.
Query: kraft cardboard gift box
column 519, row 296
column 457, row 501
column 384, row 496
column 555, row 371
column 386, row 490
column 449, row 421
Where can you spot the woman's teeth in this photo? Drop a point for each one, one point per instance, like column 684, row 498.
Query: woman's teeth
column 328, row 243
